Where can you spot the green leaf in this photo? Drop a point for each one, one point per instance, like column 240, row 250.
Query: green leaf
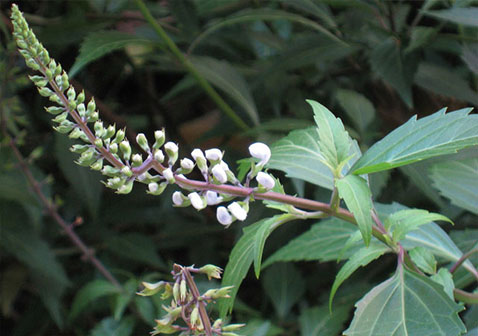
column 361, row 258
column 225, row 77
column 334, row 142
column 466, row 240
column 355, row 192
column 240, row 260
column 310, row 8
column 258, row 327
column 420, row 36
column 406, row 304
column 457, row 180
column 111, row 327
column 85, row 183
column 359, row 109
column 424, row 259
column 124, row 298
column 135, row 246
column 92, row 291
column 463, row 16
column 470, row 56
column 417, row 140
column 444, row 278
column 430, row 77
column 261, row 14
column 323, row 241
column 387, row 63
column 319, row 321
column 298, row 155
column 284, row 286
column 404, row 221
column 262, row 234
column 98, row 44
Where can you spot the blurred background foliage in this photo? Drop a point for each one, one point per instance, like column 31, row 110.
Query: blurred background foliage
column 374, row 63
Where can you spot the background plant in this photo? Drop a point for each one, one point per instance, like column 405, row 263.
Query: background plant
column 319, row 84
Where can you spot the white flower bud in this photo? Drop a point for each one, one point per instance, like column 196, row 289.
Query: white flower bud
column 187, row 164
column 237, row 211
column 159, row 136
column 213, row 154
column 219, row 174
column 168, row 175
column 197, row 201
column 198, row 156
column 172, row 150
column 178, row 198
column 223, row 216
column 224, row 166
column 142, row 142
column 265, row 180
column 159, row 155
column 260, row 151
column 213, row 198
column 153, row 187
column 137, row 160
column 197, row 153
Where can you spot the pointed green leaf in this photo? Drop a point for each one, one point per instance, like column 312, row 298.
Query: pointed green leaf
column 262, row 234
column 284, row 286
column 406, row 304
column 417, row 140
column 361, row 258
column 359, row 109
column 90, row 292
column 424, row 259
column 444, row 278
column 324, row 241
column 112, row 327
column 98, row 44
column 457, row 180
column 358, row 198
column 319, row 321
column 470, row 56
column 334, row 141
column 298, row 155
column 124, row 298
column 404, row 221
column 240, row 260
column 463, row 16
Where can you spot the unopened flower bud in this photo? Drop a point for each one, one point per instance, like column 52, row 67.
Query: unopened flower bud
column 159, row 155
column 265, row 180
column 213, row 198
column 159, row 139
column 125, row 188
column 98, row 165
column 237, row 211
column 197, row 201
column 137, row 160
column 213, row 155
column 260, row 151
column 172, row 150
column 142, row 142
column 81, row 97
column 179, row 199
column 125, row 149
column 211, row 271
column 200, row 159
column 99, row 129
column 156, row 189
column 194, row 318
column 110, row 131
column 183, row 290
column 168, row 175
column 91, row 106
column 187, row 165
column 219, row 174
column 151, row 288
column 223, row 216
column 119, row 136
column 114, row 148
column 232, row 327
column 126, row 171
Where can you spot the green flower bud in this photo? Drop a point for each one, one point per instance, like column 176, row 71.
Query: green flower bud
column 81, row 110
column 114, row 148
column 54, row 109
column 39, row 81
column 98, row 165
column 232, row 327
column 115, row 182
column 45, row 92
column 137, row 160
column 87, row 158
column 194, row 318
column 119, row 136
column 71, row 94
column 61, row 117
column 55, row 99
column 64, row 81
column 125, row 188
column 49, row 74
column 142, row 142
column 79, row 148
column 183, row 290
column 58, row 80
column 32, row 64
column 158, row 155
column 126, row 171
column 125, row 149
column 110, row 131
column 98, row 143
column 77, row 133
column 57, row 70
column 151, row 288
column 81, row 97
column 172, row 150
column 91, row 106
column 52, row 65
column 176, row 292
column 65, row 127
column 93, row 117
column 211, row 271
column 159, row 137
column 156, row 189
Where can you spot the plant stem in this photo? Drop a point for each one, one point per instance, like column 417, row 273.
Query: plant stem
column 462, row 260
column 51, row 210
column 190, row 67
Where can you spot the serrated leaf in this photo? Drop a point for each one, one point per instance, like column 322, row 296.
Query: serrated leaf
column 98, row 44
column 387, row 63
column 430, row 77
column 361, row 258
column 240, row 260
column 458, row 181
column 298, row 155
column 284, row 286
column 463, row 16
column 358, row 108
column 406, row 304
column 416, row 140
column 319, row 321
column 355, row 192
column 225, row 77
column 444, row 278
column 92, row 291
column 466, row 240
column 262, row 234
column 111, row 327
column 323, row 241
column 334, row 141
column 404, row 221
column 424, row 259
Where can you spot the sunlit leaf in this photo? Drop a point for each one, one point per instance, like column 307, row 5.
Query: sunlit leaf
column 463, row 16
column 424, row 259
